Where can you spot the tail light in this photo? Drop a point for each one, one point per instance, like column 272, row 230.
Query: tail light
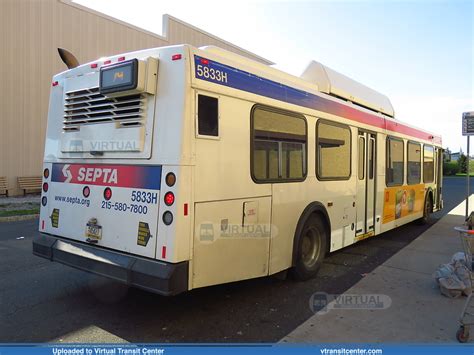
column 170, row 179
column 107, row 193
column 169, row 198
column 167, row 218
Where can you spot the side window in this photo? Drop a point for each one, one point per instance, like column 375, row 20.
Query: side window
column 371, row 158
column 333, row 151
column 395, row 162
column 361, row 167
column 208, row 116
column 428, row 164
column 414, row 163
column 278, row 145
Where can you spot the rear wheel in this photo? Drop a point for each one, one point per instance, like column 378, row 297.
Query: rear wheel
column 311, row 248
column 427, row 210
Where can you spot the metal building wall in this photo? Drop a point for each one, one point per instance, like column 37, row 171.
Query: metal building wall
column 30, row 33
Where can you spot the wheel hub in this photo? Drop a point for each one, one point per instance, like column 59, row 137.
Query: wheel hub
column 310, row 247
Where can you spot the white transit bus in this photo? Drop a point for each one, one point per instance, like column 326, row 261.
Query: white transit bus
column 175, row 168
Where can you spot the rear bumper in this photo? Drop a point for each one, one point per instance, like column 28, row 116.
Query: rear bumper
column 154, row 276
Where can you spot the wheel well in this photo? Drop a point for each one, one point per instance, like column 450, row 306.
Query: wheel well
column 314, row 208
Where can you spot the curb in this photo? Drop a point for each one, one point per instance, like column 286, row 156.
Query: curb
column 24, row 217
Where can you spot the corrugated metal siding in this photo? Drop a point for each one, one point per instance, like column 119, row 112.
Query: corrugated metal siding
column 184, row 34
column 30, row 32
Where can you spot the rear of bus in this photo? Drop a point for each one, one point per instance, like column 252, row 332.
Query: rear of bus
column 116, row 168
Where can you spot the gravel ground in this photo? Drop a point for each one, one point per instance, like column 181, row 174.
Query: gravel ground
column 19, row 203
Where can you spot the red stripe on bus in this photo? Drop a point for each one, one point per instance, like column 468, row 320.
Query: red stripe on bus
column 409, row 131
column 375, row 121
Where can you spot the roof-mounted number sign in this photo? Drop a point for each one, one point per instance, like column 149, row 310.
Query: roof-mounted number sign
column 127, row 78
column 468, row 123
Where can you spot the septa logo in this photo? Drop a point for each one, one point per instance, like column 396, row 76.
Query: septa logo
column 66, row 173
column 105, row 175
column 144, row 177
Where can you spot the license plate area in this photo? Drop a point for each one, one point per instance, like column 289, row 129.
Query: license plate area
column 94, row 231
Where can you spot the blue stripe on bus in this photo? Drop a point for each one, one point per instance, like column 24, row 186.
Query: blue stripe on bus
column 245, row 81
column 215, row 72
column 221, row 74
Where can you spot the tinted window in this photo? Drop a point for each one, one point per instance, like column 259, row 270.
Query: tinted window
column 414, row 163
column 208, row 116
column 333, row 151
column 395, row 162
column 428, row 163
column 278, row 145
column 371, row 159
column 361, row 168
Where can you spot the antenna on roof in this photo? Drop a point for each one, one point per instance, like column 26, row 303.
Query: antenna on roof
column 68, row 58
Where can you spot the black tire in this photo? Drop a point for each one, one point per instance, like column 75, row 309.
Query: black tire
column 311, row 248
column 461, row 335
column 427, row 210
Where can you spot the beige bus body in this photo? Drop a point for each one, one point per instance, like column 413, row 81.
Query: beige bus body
column 228, row 225
column 223, row 183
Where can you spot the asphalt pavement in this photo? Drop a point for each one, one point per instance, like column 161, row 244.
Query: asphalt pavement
column 409, row 306
column 42, row 301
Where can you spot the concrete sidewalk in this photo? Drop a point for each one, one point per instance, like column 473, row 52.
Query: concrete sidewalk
column 418, row 313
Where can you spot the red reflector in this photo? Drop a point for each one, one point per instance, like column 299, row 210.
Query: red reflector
column 107, row 62
column 86, row 191
column 185, row 209
column 42, row 224
column 204, row 61
column 107, row 193
column 163, row 252
column 121, row 59
column 169, row 198
column 176, row 57
column 94, row 65
column 55, row 83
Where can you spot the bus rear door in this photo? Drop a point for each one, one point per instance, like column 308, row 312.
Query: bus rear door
column 365, row 183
